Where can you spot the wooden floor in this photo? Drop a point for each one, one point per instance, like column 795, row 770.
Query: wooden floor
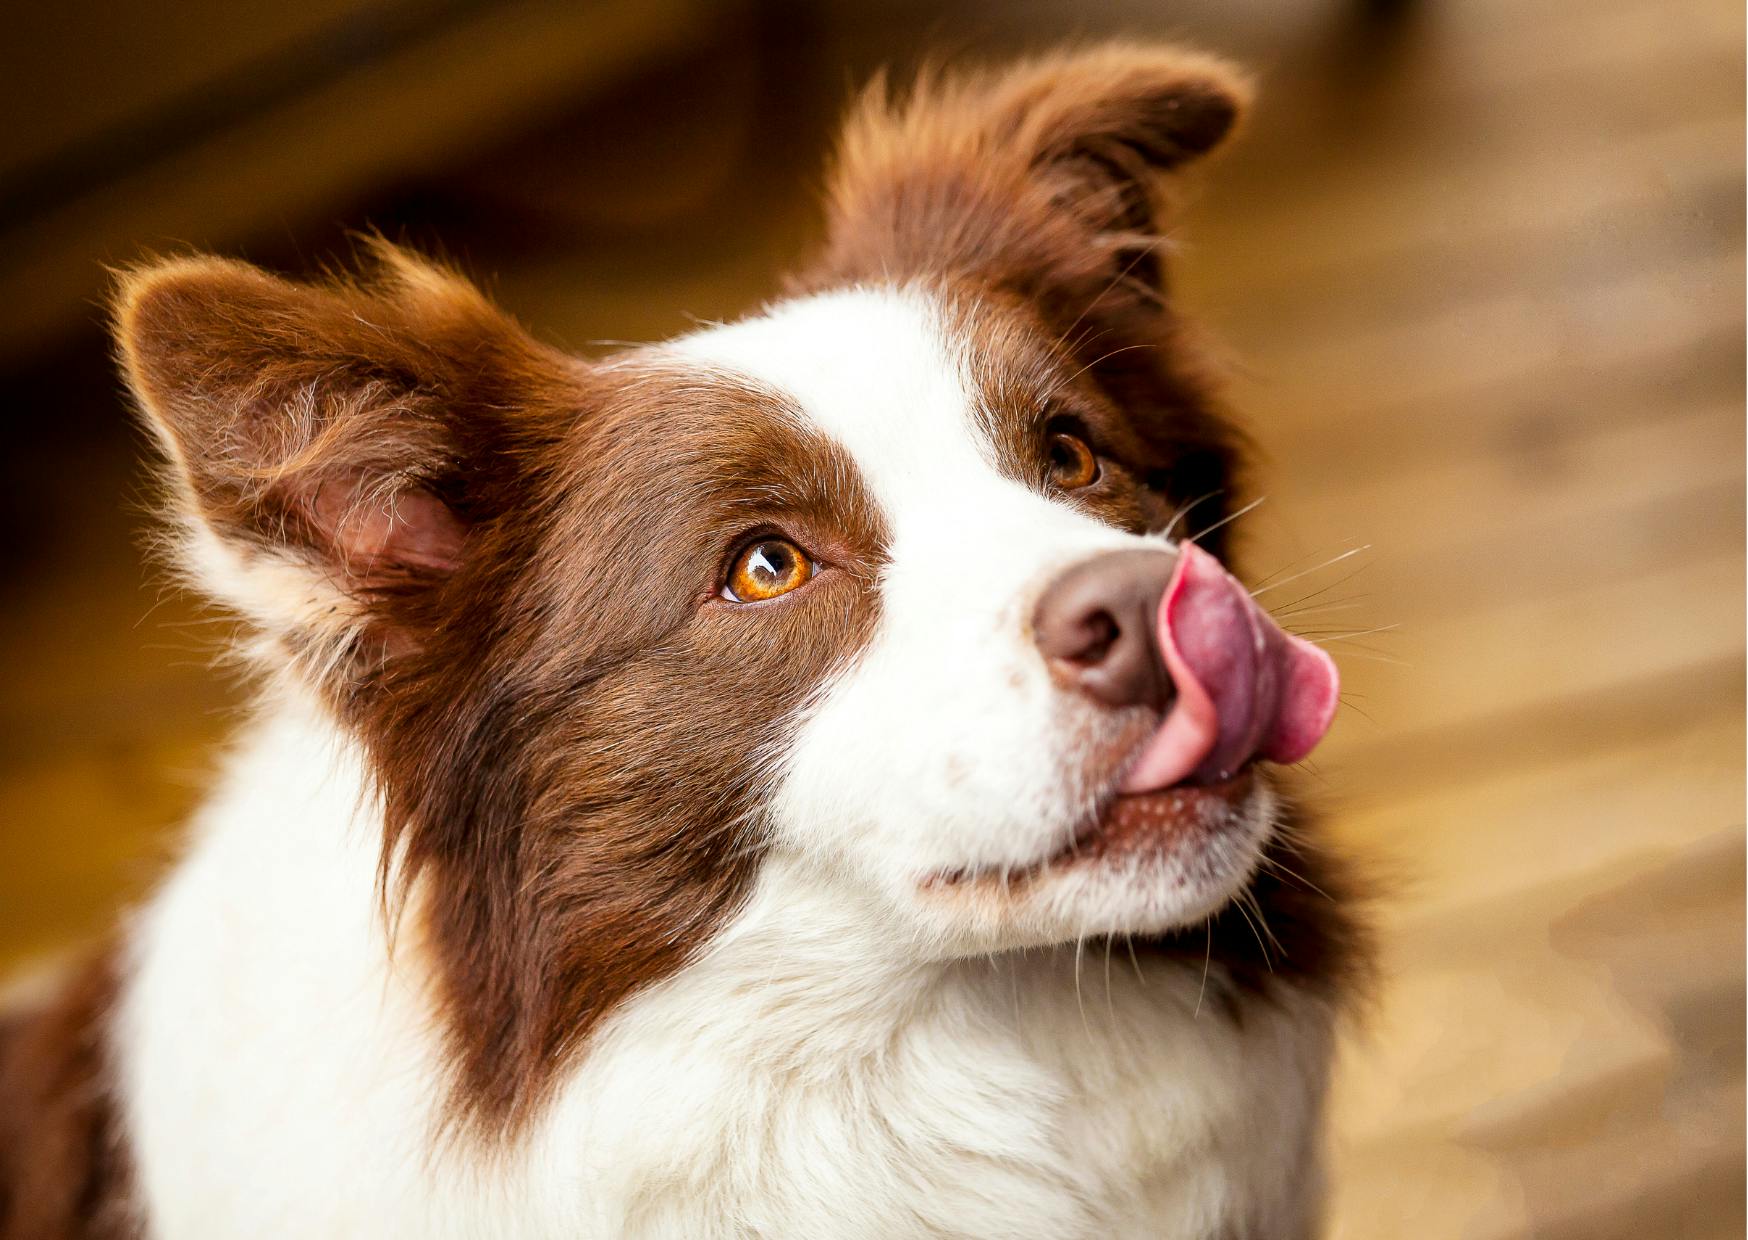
column 1482, row 263
column 1494, row 330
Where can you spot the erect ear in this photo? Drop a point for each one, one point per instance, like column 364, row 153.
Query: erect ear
column 335, row 448
column 1052, row 184
column 1051, row 177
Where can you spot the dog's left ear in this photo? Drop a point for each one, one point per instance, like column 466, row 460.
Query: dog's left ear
column 1052, row 178
column 1052, row 185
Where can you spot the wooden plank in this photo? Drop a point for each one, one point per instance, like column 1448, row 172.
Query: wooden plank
column 1659, row 1176
column 1632, row 219
column 1581, row 390
column 1494, row 840
column 1501, row 83
column 1541, row 482
column 1512, row 337
column 1489, row 563
column 1513, row 1133
column 1615, row 717
column 1485, row 664
column 1444, row 205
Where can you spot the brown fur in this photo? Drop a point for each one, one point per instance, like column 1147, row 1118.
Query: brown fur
column 64, row 1171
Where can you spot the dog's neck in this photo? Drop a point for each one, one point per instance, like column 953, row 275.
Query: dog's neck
column 802, row 1070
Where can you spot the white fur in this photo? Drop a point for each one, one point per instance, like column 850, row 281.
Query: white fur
column 849, row 1057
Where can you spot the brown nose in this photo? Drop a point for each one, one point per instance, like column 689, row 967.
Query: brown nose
column 1097, row 626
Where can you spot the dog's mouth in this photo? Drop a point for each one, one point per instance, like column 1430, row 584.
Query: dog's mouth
column 1136, row 823
column 1244, row 691
column 1128, row 825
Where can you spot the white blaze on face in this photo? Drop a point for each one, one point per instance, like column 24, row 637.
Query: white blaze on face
column 946, row 746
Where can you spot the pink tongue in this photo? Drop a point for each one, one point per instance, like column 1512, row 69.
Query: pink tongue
column 1244, row 688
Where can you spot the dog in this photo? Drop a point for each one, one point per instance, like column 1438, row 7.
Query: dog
column 814, row 777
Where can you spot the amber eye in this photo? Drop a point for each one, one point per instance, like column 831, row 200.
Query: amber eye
column 765, row 569
column 1072, row 463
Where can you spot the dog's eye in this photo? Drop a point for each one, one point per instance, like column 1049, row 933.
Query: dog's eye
column 1073, row 464
column 765, row 569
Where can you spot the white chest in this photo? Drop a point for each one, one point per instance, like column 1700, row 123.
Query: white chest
column 762, row 1095
column 281, row 1078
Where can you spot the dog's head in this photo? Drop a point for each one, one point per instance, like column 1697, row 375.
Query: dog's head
column 890, row 585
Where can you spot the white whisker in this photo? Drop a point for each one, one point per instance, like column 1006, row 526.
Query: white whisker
column 1353, row 551
column 1207, row 960
column 1317, row 638
column 1184, row 510
column 1229, row 518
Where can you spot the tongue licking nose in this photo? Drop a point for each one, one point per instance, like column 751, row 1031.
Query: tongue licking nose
column 1244, row 689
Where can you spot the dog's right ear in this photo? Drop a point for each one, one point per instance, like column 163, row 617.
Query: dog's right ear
column 338, row 451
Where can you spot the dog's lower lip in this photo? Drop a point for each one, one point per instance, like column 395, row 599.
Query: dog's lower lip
column 1125, row 822
column 1150, row 816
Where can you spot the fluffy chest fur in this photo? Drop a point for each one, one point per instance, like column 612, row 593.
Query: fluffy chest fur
column 802, row 1078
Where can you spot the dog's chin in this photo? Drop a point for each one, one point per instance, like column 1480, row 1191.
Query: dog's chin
column 1143, row 864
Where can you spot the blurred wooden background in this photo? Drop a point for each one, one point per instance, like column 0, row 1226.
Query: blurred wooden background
column 1481, row 260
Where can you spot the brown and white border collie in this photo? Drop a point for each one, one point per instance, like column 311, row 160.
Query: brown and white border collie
column 810, row 778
